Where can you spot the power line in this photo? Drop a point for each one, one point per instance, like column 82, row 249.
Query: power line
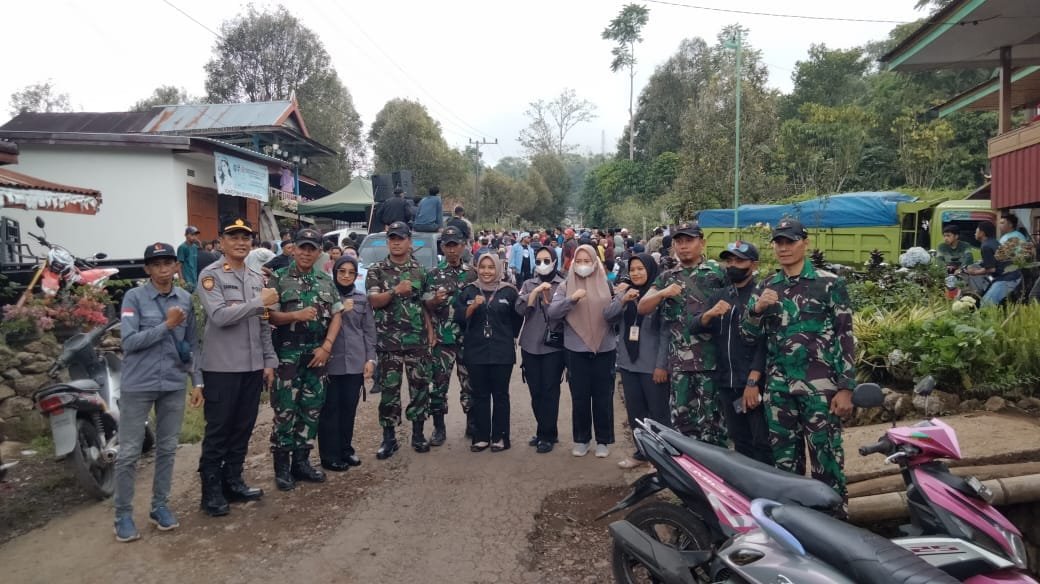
column 808, row 17
column 192, row 18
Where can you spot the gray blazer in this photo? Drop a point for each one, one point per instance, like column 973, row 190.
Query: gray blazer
column 653, row 354
column 356, row 342
column 558, row 310
column 532, row 336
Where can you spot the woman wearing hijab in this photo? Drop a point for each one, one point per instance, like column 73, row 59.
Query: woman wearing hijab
column 641, row 356
column 485, row 311
column 541, row 348
column 352, row 360
column 581, row 301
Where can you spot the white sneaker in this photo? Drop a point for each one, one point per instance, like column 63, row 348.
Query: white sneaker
column 602, row 451
column 580, row 449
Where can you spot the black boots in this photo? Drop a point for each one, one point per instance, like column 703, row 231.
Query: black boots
column 235, row 489
column 302, row 469
column 213, row 501
column 419, row 443
column 439, row 434
column 389, row 445
column 283, row 477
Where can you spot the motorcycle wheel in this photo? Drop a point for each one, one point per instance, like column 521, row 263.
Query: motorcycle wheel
column 668, row 524
column 93, row 474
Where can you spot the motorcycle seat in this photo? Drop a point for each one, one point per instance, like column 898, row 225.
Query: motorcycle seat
column 754, row 479
column 863, row 556
column 75, row 386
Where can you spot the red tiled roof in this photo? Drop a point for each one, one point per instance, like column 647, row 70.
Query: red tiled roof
column 17, row 180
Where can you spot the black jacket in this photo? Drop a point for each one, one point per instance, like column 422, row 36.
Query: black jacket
column 736, row 357
column 394, row 209
column 504, row 326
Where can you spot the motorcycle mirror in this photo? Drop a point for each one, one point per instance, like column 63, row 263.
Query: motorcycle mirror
column 100, row 255
column 39, row 222
column 868, row 395
column 925, row 386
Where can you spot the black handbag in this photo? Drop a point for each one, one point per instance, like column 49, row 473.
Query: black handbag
column 553, row 336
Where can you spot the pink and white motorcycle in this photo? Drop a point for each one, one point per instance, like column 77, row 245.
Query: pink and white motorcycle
column 61, row 269
column 958, row 531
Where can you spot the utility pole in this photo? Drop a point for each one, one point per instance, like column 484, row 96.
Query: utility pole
column 476, row 175
column 736, row 44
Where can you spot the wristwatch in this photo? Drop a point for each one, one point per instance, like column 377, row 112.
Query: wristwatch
column 751, row 383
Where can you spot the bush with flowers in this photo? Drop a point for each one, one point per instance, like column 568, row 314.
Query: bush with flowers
column 30, row 319
column 81, row 309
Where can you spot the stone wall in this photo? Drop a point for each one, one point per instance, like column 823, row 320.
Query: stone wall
column 23, row 370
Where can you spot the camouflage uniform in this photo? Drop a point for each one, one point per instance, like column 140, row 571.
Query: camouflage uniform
column 299, row 391
column 691, row 357
column 449, row 335
column 809, row 357
column 401, row 341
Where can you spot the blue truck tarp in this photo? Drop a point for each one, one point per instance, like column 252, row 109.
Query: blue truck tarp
column 844, row 210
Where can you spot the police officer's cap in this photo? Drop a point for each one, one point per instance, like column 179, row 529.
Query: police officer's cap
column 398, row 228
column 789, row 228
column 236, row 224
column 308, row 236
column 689, row 230
column 741, row 250
column 452, row 235
column 159, row 250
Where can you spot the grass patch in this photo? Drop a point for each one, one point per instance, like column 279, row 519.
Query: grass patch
column 42, row 444
column 193, row 428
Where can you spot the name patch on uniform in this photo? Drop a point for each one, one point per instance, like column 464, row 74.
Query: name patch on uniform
column 208, row 283
column 230, row 287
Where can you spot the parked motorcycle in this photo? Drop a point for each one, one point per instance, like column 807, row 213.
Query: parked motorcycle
column 716, row 487
column 84, row 412
column 61, row 269
column 4, row 467
column 787, row 544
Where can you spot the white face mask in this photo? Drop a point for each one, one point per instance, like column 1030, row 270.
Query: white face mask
column 545, row 269
column 584, row 270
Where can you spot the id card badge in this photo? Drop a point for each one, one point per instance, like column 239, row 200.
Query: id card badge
column 633, row 333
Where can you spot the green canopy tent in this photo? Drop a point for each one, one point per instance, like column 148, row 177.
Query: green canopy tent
column 351, row 203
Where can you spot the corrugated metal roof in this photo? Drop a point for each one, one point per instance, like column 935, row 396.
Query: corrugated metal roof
column 178, row 118
column 12, row 179
column 92, row 122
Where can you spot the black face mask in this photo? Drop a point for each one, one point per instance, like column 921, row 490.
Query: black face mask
column 737, row 275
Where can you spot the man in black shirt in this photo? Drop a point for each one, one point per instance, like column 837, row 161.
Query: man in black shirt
column 1003, row 281
column 394, row 209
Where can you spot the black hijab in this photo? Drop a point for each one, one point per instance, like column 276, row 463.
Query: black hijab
column 556, row 268
column 632, row 316
column 344, row 291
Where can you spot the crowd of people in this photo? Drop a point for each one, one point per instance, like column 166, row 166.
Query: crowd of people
column 701, row 344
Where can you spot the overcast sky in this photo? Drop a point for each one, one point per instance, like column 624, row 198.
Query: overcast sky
column 474, row 64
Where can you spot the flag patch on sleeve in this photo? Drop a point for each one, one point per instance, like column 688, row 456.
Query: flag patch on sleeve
column 128, row 312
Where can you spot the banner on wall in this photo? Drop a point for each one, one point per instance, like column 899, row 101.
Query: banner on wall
column 240, row 178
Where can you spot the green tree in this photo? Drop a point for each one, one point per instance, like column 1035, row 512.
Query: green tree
column 668, row 93
column 830, row 77
column 404, row 136
column 706, row 178
column 551, row 121
column 512, row 166
column 39, row 97
column 269, row 56
column 626, row 29
column 558, row 184
column 923, row 149
column 822, row 148
column 164, row 95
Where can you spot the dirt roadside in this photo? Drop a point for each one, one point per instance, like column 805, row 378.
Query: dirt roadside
column 448, row 516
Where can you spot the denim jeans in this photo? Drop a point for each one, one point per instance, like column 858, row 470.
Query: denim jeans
column 999, row 290
column 134, row 407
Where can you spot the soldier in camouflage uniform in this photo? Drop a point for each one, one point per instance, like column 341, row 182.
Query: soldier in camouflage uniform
column 307, row 320
column 443, row 285
column 679, row 295
column 395, row 288
column 804, row 315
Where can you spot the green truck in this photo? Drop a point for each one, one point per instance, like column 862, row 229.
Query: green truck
column 847, row 227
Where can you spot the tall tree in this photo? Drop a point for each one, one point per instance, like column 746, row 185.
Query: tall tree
column 558, row 183
column 823, row 147
column 405, row 137
column 626, row 30
column 39, row 97
column 164, row 95
column 668, row 93
column 270, row 55
column 551, row 121
column 830, row 77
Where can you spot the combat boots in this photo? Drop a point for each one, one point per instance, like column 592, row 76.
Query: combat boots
column 213, row 502
column 389, row 445
column 235, row 489
column 302, row 469
column 419, row 443
column 283, row 477
column 439, row 434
